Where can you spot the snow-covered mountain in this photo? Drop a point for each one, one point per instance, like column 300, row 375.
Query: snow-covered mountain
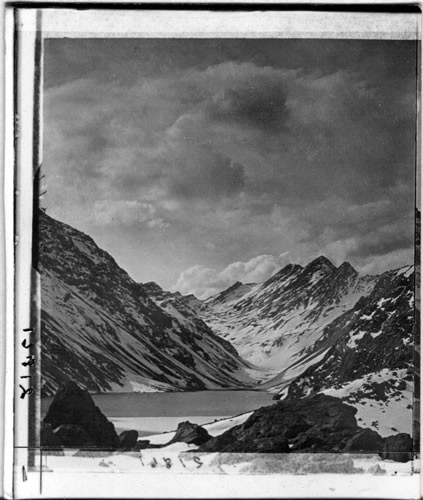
column 368, row 356
column 323, row 328
column 312, row 329
column 175, row 303
column 276, row 323
column 102, row 330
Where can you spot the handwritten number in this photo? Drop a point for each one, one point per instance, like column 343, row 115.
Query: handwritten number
column 168, row 462
column 30, row 362
column 28, row 391
column 23, row 344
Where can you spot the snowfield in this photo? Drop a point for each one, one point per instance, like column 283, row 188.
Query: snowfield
column 386, row 416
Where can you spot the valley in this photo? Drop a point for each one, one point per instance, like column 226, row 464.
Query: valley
column 317, row 329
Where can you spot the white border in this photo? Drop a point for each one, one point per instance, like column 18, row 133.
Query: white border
column 8, row 341
column 130, row 485
column 208, row 24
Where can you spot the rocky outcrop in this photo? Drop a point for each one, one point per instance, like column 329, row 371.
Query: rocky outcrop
column 142, row 444
column 128, row 439
column 318, row 424
column 191, row 434
column 48, row 439
column 73, row 436
column 321, row 423
column 77, row 421
column 398, row 448
column 366, row 440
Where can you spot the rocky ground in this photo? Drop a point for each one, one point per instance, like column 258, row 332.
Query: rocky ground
column 318, row 424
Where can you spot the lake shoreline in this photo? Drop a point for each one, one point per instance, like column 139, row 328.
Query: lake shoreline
column 162, row 411
column 235, row 389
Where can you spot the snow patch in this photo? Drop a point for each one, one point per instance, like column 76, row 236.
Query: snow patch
column 387, row 416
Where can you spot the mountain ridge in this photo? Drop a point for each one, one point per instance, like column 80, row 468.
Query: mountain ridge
column 330, row 330
column 306, row 330
column 100, row 327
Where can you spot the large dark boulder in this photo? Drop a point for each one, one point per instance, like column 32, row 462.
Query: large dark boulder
column 48, row 439
column 190, row 433
column 75, row 406
column 73, row 436
column 128, row 439
column 317, row 424
column 398, row 447
column 366, row 440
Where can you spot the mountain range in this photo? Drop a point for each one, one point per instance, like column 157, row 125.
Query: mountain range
column 326, row 329
column 102, row 329
column 311, row 329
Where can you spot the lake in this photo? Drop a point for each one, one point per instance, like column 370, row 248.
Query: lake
column 154, row 412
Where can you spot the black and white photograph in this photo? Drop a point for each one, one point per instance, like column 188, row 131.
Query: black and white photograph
column 227, row 242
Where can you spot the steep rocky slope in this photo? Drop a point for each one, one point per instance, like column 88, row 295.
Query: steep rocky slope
column 317, row 424
column 101, row 329
column 276, row 323
column 376, row 333
column 368, row 356
column 329, row 330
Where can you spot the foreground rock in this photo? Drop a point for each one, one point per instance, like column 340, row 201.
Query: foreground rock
column 142, row 444
column 128, row 439
column 191, row 434
column 366, row 440
column 398, row 448
column 79, row 419
column 318, row 424
column 48, row 438
column 73, row 436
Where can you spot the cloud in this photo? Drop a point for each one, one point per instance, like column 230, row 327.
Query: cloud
column 388, row 261
column 198, row 173
column 107, row 213
column 259, row 104
column 203, row 281
column 234, row 152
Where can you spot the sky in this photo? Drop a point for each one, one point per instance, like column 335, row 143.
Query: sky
column 198, row 163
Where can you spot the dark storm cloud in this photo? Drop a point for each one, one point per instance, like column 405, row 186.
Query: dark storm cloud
column 226, row 150
column 384, row 241
column 261, row 104
column 204, row 176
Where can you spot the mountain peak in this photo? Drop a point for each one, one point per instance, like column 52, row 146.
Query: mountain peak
column 234, row 291
column 152, row 287
column 346, row 268
column 230, row 289
column 320, row 263
column 285, row 271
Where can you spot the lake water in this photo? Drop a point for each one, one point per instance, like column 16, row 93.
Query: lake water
column 154, row 412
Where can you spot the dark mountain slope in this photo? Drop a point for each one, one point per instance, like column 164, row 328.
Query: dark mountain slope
column 101, row 329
